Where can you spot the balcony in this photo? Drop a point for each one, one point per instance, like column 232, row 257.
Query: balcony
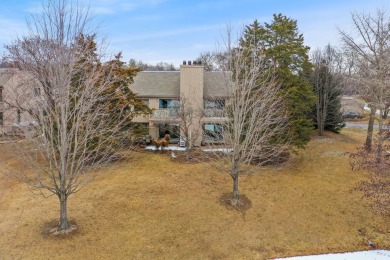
column 213, row 112
column 164, row 114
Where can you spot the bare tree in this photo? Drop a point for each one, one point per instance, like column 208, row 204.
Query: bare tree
column 62, row 86
column 255, row 128
column 370, row 47
column 160, row 66
column 326, row 80
column 213, row 61
column 188, row 117
column 377, row 188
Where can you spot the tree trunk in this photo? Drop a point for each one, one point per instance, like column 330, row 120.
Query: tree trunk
column 385, row 112
column 370, row 129
column 63, row 211
column 236, row 195
column 380, row 138
column 320, row 129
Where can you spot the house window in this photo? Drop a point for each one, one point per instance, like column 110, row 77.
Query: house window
column 169, row 103
column 213, row 132
column 1, row 118
column 1, row 93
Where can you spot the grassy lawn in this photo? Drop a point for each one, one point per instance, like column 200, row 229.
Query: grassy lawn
column 151, row 207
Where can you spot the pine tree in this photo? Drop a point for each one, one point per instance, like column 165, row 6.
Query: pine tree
column 280, row 42
column 119, row 102
column 326, row 80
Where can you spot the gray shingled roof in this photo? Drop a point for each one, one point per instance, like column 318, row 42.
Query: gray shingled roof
column 167, row 84
column 157, row 84
column 215, row 84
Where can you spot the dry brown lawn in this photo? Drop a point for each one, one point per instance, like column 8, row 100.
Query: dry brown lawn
column 150, row 207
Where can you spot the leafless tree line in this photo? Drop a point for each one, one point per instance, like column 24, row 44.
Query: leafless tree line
column 368, row 48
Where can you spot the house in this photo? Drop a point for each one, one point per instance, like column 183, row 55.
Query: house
column 165, row 92
column 352, row 104
column 6, row 117
column 15, row 87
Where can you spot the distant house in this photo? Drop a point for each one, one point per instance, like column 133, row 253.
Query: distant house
column 163, row 91
column 15, row 87
column 6, row 117
column 352, row 104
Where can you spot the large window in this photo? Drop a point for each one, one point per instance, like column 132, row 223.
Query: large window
column 212, row 132
column 169, row 103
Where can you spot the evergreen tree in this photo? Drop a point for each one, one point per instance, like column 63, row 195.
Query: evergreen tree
column 280, row 42
column 326, row 80
column 119, row 103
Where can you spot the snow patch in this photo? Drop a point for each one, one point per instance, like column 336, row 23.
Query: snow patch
column 362, row 255
column 168, row 148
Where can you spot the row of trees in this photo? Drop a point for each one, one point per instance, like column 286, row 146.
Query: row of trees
column 312, row 89
column 311, row 85
column 82, row 117
column 368, row 49
column 160, row 66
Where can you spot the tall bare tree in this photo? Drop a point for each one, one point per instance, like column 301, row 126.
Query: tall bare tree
column 188, row 117
column 255, row 128
column 64, row 88
column 370, row 45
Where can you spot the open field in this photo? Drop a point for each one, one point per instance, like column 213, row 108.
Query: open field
column 151, row 207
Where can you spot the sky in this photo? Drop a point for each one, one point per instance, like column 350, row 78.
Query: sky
column 175, row 30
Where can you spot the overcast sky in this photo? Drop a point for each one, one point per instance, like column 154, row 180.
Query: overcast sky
column 177, row 30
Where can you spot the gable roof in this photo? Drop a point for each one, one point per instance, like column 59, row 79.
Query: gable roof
column 157, row 84
column 167, row 84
